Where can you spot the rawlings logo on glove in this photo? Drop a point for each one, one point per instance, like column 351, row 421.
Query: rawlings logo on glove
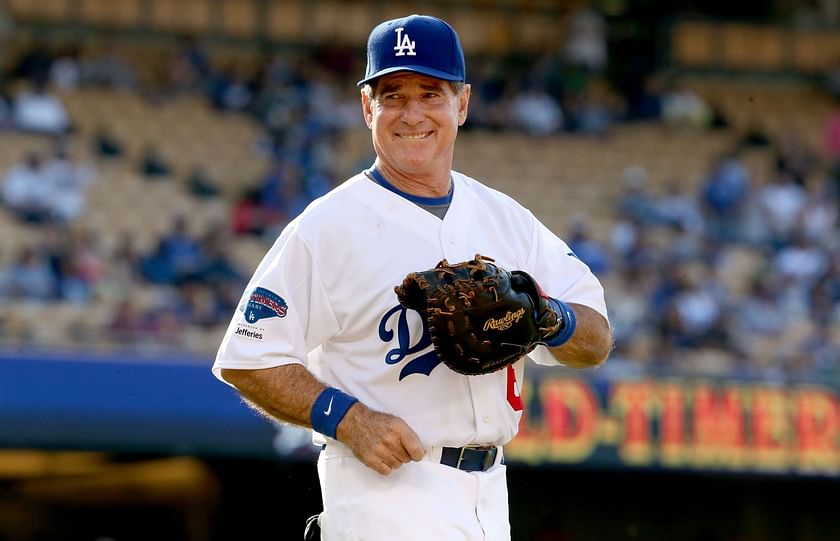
column 506, row 322
column 481, row 317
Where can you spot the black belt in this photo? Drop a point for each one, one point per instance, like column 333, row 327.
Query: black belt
column 469, row 458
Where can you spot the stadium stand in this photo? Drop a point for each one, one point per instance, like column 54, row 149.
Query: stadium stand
column 187, row 128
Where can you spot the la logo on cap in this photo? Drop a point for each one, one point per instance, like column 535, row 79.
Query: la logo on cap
column 404, row 45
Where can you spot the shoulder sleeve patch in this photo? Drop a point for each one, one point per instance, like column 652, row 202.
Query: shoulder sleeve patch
column 263, row 304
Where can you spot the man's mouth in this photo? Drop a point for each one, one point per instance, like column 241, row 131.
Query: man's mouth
column 414, row 136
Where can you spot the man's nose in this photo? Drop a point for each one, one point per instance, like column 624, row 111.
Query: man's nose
column 412, row 112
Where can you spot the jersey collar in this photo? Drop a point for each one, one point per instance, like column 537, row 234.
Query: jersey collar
column 374, row 173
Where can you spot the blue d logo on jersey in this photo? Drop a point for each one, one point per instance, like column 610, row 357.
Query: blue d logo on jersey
column 422, row 364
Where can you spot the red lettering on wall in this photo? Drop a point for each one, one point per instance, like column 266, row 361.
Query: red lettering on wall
column 632, row 402
column 817, row 427
column 571, row 415
column 771, row 429
column 718, row 427
column 672, row 424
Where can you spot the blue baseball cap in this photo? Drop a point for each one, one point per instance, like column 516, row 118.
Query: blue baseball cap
column 418, row 43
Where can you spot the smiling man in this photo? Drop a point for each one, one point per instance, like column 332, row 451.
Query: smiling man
column 411, row 450
column 414, row 119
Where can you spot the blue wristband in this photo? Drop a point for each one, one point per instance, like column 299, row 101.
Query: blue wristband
column 329, row 409
column 569, row 323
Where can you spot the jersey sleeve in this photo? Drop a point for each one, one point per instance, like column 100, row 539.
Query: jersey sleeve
column 563, row 276
column 283, row 314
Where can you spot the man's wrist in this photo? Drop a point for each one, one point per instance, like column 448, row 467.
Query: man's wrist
column 567, row 316
column 329, row 409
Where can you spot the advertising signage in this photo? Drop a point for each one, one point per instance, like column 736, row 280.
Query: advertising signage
column 680, row 424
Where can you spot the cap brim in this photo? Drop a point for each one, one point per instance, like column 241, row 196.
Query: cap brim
column 431, row 72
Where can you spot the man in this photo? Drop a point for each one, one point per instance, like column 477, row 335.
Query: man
column 411, row 449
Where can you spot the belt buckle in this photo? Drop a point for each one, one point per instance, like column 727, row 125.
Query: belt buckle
column 489, row 456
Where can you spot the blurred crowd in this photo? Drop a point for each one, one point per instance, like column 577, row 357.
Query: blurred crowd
column 667, row 263
column 740, row 278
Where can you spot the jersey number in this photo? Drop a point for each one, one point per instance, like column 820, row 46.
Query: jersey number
column 514, row 391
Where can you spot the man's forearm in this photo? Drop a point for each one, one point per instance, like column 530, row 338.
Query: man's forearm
column 383, row 442
column 592, row 342
column 284, row 393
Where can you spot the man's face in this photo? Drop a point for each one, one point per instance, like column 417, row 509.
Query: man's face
column 414, row 119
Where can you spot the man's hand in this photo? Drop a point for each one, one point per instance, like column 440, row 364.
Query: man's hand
column 383, row 442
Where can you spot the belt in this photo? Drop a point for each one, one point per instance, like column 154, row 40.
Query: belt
column 470, row 457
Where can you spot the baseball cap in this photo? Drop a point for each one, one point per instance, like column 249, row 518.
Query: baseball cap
column 418, row 43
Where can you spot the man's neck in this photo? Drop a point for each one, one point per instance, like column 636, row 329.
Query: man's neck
column 432, row 184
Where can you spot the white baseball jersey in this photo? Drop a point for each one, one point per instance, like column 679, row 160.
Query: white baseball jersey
column 324, row 297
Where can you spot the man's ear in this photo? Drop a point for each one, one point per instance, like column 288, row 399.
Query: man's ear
column 367, row 109
column 463, row 104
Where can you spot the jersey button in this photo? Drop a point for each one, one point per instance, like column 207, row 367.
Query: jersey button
column 452, row 240
column 486, row 418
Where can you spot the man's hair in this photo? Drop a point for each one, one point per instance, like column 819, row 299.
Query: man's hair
column 369, row 89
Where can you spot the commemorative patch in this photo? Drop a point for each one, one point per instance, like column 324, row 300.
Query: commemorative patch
column 264, row 304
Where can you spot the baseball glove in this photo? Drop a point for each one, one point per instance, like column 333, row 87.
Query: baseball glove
column 481, row 317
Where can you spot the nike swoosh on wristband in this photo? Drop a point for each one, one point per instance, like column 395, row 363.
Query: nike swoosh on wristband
column 329, row 408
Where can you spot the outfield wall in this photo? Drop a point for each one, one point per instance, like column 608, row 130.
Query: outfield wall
column 174, row 405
